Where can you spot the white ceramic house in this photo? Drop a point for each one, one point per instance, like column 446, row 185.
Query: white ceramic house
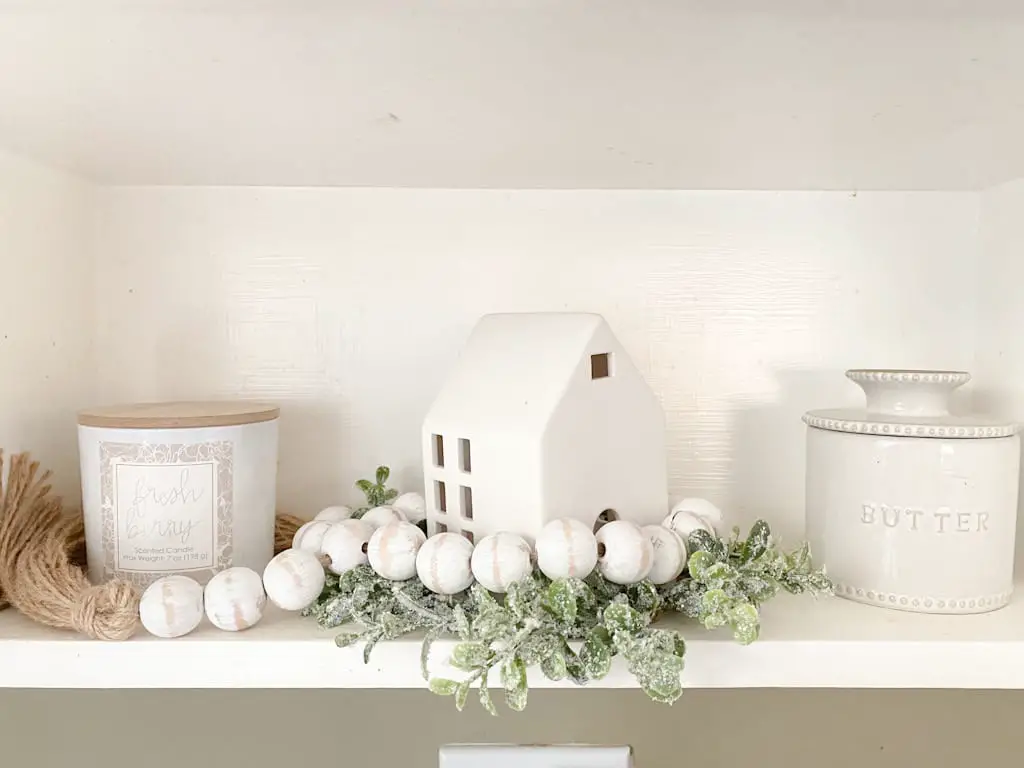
column 543, row 416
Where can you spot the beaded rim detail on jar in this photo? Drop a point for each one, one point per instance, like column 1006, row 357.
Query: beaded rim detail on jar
column 955, row 378
column 921, row 603
column 909, row 430
column 909, row 403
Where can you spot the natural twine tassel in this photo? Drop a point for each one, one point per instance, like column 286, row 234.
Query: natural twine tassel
column 37, row 575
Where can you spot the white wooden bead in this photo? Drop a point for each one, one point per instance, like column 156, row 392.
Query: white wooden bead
column 235, row 599
column 566, row 548
column 171, row 606
column 379, row 516
column 501, row 559
column 293, row 579
column 346, row 544
column 334, row 514
column 392, row 550
column 443, row 563
column 310, row 536
column 412, row 505
column 703, row 509
column 669, row 554
column 684, row 523
column 625, row 554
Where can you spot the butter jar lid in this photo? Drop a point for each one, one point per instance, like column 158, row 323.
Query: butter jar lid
column 909, row 403
column 178, row 415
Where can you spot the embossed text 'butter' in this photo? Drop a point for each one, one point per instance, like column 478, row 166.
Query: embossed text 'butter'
column 940, row 520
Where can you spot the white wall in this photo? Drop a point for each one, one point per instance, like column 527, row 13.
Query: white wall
column 1000, row 353
column 46, row 323
column 347, row 306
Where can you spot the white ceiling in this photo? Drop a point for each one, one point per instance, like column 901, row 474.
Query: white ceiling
column 518, row 93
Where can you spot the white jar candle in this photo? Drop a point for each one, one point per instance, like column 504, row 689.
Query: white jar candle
column 178, row 488
column 908, row 506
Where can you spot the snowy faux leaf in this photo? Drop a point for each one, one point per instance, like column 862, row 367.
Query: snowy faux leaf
column 619, row 617
column 745, row 623
column 758, row 541
column 469, row 656
column 513, row 678
column 553, row 666
column 595, row 656
column 699, row 562
column 560, row 601
column 443, row 687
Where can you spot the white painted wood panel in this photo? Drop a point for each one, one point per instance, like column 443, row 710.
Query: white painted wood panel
column 667, row 94
column 347, row 306
column 46, row 321
column 804, row 643
column 1000, row 354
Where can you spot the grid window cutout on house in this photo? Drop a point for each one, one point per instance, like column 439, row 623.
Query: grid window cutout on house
column 437, row 447
column 468, row 535
column 466, row 499
column 465, row 461
column 601, row 366
column 440, row 496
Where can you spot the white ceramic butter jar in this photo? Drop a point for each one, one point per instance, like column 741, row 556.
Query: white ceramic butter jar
column 178, row 488
column 908, row 506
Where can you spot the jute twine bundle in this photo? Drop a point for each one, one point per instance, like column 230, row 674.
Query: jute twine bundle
column 42, row 559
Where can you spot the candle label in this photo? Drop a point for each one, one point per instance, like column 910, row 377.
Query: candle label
column 166, row 509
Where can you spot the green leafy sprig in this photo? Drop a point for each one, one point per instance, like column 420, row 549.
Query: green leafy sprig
column 377, row 493
column 571, row 628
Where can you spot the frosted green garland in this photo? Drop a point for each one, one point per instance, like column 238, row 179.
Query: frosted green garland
column 570, row 628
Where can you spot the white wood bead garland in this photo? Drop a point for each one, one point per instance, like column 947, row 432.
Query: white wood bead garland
column 393, row 548
column 346, row 544
column 379, row 516
column 566, row 548
column 334, row 514
column 670, row 555
column 684, row 523
column 412, row 505
column 235, row 599
column 704, row 510
column 310, row 536
column 625, row 554
column 500, row 560
column 171, row 606
column 443, row 563
column 293, row 579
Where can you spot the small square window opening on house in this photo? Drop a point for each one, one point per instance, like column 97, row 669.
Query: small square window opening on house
column 601, row 365
column 467, row 502
column 437, row 446
column 465, row 462
column 440, row 496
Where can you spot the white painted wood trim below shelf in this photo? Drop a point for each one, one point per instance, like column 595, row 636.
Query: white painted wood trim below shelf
column 806, row 643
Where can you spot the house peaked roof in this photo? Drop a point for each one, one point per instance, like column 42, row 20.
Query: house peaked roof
column 513, row 371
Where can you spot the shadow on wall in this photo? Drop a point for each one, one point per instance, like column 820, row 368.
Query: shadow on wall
column 769, row 449
column 1003, row 404
column 314, row 445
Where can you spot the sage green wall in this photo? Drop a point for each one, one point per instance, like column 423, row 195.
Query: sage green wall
column 371, row 729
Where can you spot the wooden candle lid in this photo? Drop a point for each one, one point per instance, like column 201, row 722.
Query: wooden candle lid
column 176, row 415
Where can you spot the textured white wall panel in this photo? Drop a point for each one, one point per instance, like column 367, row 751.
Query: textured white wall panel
column 46, row 302
column 1000, row 353
column 347, row 306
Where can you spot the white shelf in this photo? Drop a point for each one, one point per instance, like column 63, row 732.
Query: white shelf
column 647, row 94
column 828, row 643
